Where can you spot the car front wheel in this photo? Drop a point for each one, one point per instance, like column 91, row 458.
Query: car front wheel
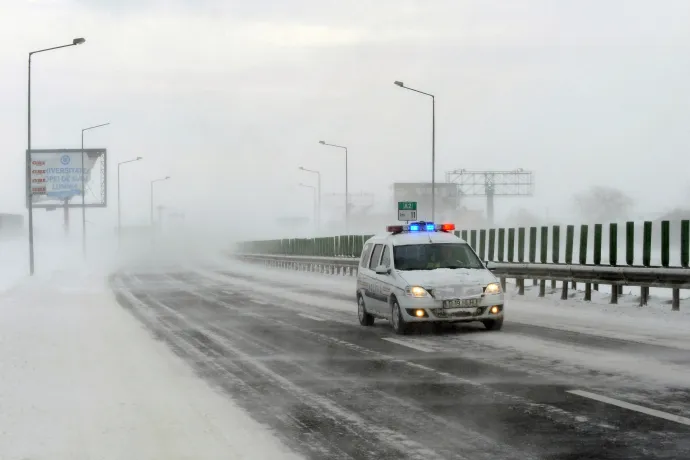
column 399, row 325
column 493, row 324
column 365, row 319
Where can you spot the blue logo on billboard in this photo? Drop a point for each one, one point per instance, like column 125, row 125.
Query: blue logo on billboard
column 65, row 159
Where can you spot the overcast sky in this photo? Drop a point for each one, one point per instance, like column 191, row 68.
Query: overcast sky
column 230, row 97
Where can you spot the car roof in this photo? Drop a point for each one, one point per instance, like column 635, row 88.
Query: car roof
column 407, row 238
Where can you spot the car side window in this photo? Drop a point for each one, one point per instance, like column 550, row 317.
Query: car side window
column 386, row 258
column 366, row 252
column 375, row 256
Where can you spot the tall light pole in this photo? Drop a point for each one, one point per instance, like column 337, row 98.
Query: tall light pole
column 83, row 190
column 314, row 193
column 153, row 182
column 347, row 196
column 29, row 193
column 433, row 146
column 119, row 221
column 318, row 182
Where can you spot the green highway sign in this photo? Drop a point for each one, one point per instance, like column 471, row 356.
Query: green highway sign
column 407, row 210
column 407, row 205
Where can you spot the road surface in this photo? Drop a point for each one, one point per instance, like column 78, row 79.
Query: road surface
column 331, row 389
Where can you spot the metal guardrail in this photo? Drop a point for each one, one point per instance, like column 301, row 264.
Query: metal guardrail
column 591, row 275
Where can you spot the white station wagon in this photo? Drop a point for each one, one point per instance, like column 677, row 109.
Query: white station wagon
column 423, row 273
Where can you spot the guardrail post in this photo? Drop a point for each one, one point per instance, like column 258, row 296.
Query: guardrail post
column 501, row 243
column 675, row 303
column 533, row 248
column 614, row 294
column 584, row 230
column 544, row 243
column 555, row 249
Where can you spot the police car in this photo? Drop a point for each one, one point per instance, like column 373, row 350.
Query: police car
column 423, row 273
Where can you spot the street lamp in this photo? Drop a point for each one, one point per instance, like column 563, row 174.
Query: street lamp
column 29, row 192
column 83, row 190
column 347, row 200
column 153, row 182
column 318, row 174
column 433, row 145
column 314, row 192
column 119, row 223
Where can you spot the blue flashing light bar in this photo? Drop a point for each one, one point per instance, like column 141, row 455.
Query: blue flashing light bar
column 420, row 227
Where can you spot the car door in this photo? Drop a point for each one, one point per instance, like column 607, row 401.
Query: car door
column 364, row 278
column 375, row 297
column 386, row 281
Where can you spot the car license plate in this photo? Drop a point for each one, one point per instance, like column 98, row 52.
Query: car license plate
column 456, row 303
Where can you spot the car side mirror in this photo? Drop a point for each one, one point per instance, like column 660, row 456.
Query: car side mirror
column 382, row 270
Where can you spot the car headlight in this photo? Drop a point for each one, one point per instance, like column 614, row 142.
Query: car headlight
column 416, row 291
column 492, row 288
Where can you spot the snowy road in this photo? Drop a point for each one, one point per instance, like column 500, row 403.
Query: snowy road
column 294, row 357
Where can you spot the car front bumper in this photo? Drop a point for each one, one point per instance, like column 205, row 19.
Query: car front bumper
column 433, row 310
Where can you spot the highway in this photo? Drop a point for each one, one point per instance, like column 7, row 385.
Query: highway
column 331, row 389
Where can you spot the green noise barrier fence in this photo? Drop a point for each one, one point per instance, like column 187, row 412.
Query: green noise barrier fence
column 641, row 244
column 645, row 245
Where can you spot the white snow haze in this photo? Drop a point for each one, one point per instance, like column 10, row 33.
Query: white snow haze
column 229, row 99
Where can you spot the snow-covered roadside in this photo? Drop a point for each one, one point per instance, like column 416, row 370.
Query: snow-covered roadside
column 80, row 378
column 654, row 324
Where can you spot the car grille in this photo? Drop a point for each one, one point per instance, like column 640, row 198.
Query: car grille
column 457, row 292
column 465, row 313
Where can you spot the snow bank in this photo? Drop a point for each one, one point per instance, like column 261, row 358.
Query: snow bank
column 82, row 379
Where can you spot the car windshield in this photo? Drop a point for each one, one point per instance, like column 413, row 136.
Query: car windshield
column 433, row 256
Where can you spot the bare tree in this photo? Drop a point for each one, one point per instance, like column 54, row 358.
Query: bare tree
column 603, row 204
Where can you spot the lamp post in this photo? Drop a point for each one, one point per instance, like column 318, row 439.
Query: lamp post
column 318, row 182
column 153, row 182
column 83, row 190
column 29, row 192
column 119, row 221
column 314, row 193
column 433, row 146
column 347, row 197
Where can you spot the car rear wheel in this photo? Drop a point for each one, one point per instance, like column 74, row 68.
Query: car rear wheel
column 365, row 319
column 400, row 327
column 493, row 324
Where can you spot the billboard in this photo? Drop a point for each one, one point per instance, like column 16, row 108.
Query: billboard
column 446, row 197
column 57, row 175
